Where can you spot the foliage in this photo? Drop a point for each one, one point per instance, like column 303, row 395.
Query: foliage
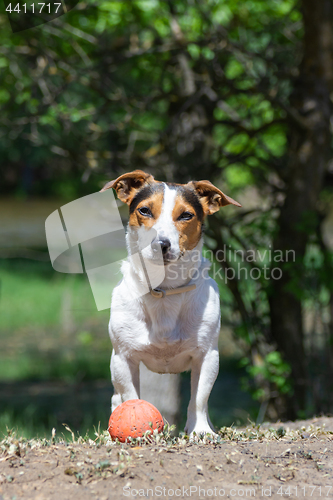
column 274, row 371
column 115, row 79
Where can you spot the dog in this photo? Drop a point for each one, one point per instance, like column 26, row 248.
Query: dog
column 175, row 327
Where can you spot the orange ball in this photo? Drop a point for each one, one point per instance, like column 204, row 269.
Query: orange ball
column 132, row 418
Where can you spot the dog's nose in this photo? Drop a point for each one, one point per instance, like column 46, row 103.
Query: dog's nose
column 161, row 242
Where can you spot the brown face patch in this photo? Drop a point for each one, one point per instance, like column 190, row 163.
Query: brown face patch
column 189, row 228
column 146, row 206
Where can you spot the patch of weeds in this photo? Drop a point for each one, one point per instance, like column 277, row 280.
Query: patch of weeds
column 259, row 433
column 306, row 454
column 14, row 445
column 281, row 431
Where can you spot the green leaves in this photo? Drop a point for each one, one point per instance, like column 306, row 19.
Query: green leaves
column 119, row 66
column 271, row 369
column 233, row 69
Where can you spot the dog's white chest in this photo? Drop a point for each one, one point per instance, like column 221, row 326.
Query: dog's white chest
column 166, row 358
column 165, row 350
column 163, row 319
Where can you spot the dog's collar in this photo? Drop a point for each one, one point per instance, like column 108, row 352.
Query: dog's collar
column 158, row 293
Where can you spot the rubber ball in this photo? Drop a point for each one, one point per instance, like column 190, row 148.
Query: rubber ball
column 133, row 418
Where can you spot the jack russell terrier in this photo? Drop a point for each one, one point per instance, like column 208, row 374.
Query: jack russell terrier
column 174, row 328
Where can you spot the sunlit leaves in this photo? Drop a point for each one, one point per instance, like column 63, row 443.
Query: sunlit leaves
column 275, row 140
column 114, row 68
column 233, row 69
column 4, row 95
column 238, row 176
column 221, row 12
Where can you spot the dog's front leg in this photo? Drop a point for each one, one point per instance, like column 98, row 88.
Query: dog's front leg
column 125, row 379
column 203, row 376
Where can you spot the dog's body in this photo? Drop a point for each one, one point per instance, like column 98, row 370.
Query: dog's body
column 177, row 332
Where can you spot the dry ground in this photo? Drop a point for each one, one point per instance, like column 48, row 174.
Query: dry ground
column 292, row 460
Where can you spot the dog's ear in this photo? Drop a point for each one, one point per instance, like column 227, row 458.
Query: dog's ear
column 212, row 199
column 128, row 184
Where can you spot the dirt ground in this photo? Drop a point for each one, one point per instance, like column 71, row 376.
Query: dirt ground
column 290, row 460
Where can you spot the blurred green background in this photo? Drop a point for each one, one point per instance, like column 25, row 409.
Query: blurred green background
column 237, row 92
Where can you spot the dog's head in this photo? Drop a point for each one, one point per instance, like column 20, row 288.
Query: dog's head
column 173, row 212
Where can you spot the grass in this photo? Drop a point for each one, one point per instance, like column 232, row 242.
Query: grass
column 15, row 443
column 50, row 330
column 34, row 295
column 48, row 323
column 30, row 425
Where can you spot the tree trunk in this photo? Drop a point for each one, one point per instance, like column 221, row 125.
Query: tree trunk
column 309, row 145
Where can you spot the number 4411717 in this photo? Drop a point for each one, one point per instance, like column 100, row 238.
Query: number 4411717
column 34, row 8
column 305, row 491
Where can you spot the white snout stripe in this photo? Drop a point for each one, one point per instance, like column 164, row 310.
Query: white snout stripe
column 165, row 225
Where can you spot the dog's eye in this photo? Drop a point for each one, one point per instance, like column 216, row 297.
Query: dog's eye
column 185, row 216
column 145, row 211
